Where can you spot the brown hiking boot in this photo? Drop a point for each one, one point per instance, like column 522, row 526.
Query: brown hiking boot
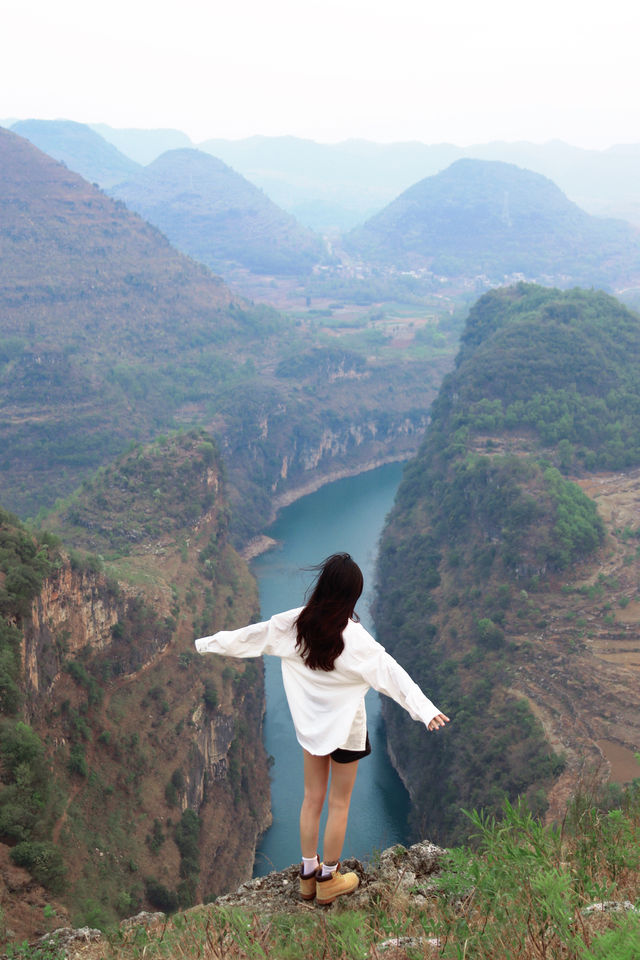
column 308, row 884
column 328, row 888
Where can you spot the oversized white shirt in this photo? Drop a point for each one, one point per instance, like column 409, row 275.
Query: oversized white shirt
column 327, row 706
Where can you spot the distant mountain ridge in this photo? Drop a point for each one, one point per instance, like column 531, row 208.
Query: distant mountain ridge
column 342, row 184
column 496, row 219
column 334, row 187
column 80, row 148
column 108, row 334
column 217, row 216
column 143, row 146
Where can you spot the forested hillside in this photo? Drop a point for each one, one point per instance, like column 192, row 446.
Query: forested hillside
column 108, row 335
column 494, row 563
column 133, row 771
column 491, row 218
column 212, row 213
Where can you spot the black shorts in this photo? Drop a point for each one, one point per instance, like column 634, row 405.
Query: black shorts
column 348, row 756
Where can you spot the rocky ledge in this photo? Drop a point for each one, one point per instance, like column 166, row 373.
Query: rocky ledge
column 407, row 870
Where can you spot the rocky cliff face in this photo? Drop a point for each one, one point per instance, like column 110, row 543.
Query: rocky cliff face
column 74, row 609
column 161, row 778
column 138, row 732
column 359, row 441
column 281, row 457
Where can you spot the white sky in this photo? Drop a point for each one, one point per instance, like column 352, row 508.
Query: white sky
column 461, row 71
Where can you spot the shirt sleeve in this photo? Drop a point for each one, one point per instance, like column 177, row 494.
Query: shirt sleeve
column 252, row 641
column 386, row 676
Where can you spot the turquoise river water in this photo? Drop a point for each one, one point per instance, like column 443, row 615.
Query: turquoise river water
column 345, row 515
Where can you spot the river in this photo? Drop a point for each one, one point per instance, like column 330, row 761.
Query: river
column 347, row 515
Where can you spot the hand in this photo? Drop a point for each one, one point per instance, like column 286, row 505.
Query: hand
column 438, row 721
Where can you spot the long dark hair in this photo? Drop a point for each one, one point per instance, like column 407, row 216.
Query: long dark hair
column 331, row 605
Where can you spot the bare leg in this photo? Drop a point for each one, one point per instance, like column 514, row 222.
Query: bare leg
column 316, row 778
column 343, row 777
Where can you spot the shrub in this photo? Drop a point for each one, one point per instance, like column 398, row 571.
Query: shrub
column 19, row 744
column 210, row 695
column 160, row 896
column 44, row 862
column 489, row 634
column 77, row 760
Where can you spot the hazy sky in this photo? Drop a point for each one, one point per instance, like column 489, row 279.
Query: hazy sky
column 458, row 70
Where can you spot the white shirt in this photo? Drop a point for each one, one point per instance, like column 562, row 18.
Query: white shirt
column 327, row 706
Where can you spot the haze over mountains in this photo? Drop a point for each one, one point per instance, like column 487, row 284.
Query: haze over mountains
column 334, row 187
column 493, row 218
column 475, row 219
column 214, row 214
column 79, row 148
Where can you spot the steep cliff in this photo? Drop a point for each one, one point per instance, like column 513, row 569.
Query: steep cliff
column 503, row 585
column 157, row 784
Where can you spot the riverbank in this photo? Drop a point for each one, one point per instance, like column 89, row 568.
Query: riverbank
column 260, row 544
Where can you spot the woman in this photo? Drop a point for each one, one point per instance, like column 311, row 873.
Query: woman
column 329, row 661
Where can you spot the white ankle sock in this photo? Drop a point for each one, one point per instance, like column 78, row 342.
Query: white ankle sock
column 309, row 864
column 328, row 869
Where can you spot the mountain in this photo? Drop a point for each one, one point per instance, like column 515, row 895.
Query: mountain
column 142, row 146
column 508, row 568
column 133, row 772
column 88, row 289
column 492, row 218
column 603, row 182
column 108, row 335
column 330, row 187
column 80, row 148
column 338, row 186
column 216, row 216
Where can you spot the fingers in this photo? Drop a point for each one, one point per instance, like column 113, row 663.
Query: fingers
column 438, row 721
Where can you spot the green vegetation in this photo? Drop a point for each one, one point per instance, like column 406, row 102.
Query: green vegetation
column 485, row 514
column 561, row 365
column 496, row 219
column 82, row 792
column 187, row 836
column 28, row 799
column 152, row 491
column 223, row 219
column 520, row 891
column 109, row 336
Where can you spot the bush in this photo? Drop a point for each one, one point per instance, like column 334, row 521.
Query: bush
column 19, row 744
column 77, row 760
column 489, row 634
column 160, row 896
column 210, row 695
column 530, row 884
column 44, row 862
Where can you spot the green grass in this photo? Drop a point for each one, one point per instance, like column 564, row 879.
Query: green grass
column 517, row 891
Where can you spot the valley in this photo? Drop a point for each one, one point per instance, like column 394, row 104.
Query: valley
column 157, row 416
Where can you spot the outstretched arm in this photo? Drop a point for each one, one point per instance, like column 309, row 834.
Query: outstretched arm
column 270, row 636
column 386, row 676
column 249, row 641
